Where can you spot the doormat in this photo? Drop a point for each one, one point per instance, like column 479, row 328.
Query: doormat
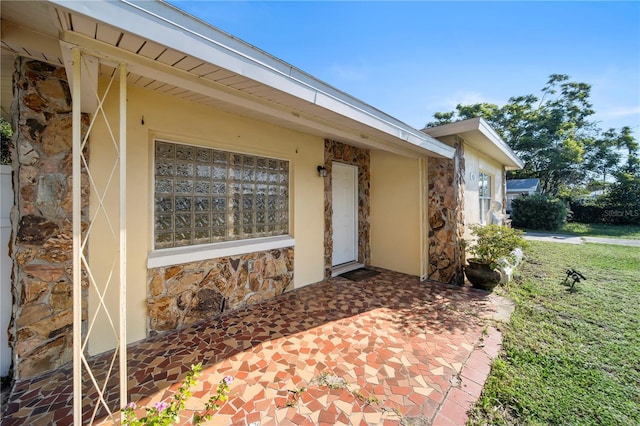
column 359, row 274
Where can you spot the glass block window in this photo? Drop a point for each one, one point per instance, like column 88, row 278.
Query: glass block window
column 206, row 196
column 484, row 194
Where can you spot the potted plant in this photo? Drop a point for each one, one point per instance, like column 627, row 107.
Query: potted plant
column 491, row 244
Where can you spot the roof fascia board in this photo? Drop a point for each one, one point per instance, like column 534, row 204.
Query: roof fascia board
column 419, row 140
column 437, row 147
column 493, row 136
column 204, row 30
column 135, row 19
column 148, row 67
column 481, row 127
column 200, row 28
column 454, row 128
column 216, row 47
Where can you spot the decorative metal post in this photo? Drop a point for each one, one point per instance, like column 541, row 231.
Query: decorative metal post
column 98, row 284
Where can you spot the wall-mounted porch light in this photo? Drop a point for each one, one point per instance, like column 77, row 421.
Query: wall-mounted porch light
column 322, row 171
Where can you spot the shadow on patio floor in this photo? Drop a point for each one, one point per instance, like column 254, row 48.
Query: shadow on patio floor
column 392, row 338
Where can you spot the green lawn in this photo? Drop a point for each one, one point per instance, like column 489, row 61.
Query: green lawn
column 569, row 358
column 629, row 232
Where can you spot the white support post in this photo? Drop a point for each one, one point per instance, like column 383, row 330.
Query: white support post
column 123, row 235
column 77, row 238
column 423, row 164
column 81, row 366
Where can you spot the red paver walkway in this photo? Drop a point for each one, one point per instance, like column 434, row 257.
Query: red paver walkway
column 395, row 349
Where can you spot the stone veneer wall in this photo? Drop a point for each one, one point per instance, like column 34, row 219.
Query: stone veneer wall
column 460, row 254
column 41, row 243
column 184, row 294
column 336, row 151
column 446, row 218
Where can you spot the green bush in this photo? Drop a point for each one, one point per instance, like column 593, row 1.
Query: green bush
column 586, row 213
column 538, row 212
column 608, row 214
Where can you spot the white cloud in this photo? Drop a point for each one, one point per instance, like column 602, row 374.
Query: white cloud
column 443, row 103
column 349, row 72
column 614, row 96
column 465, row 98
column 619, row 112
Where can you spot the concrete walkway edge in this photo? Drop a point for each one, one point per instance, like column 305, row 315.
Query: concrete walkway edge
column 576, row 239
column 459, row 400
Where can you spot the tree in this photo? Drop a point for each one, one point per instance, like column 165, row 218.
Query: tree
column 551, row 134
column 605, row 151
column 625, row 192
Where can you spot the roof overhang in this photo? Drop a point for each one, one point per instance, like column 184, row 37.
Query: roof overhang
column 479, row 134
column 169, row 51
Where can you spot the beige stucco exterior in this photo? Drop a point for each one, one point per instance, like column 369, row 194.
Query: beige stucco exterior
column 200, row 89
column 396, row 231
column 398, row 238
column 398, row 234
column 182, row 121
column 410, row 209
column 476, row 163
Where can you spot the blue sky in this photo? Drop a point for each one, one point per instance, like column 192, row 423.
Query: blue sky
column 412, row 59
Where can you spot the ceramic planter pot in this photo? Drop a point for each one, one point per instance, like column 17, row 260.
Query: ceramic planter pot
column 481, row 276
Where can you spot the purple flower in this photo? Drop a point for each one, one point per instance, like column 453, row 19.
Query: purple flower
column 132, row 405
column 228, row 380
column 161, row 406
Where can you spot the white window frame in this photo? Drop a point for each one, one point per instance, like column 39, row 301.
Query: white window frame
column 198, row 252
column 485, row 181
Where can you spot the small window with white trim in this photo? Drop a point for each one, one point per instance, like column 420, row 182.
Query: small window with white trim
column 204, row 195
column 484, row 195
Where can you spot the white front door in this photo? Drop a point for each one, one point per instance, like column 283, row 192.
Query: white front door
column 344, row 189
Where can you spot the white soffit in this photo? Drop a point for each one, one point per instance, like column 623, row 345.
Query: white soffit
column 197, row 48
column 481, row 136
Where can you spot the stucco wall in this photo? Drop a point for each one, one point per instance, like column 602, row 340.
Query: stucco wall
column 186, row 122
column 477, row 163
column 393, row 193
column 395, row 212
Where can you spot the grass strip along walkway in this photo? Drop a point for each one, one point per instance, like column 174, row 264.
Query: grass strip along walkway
column 569, row 357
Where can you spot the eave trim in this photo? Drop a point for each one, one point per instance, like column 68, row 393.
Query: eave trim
column 173, row 28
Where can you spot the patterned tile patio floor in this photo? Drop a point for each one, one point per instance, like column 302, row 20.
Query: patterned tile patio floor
column 400, row 351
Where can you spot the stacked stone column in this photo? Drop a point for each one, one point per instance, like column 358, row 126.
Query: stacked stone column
column 41, row 243
column 446, row 218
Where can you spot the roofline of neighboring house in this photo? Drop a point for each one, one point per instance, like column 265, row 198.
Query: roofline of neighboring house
column 526, row 189
column 478, row 132
column 523, row 189
column 178, row 30
column 533, row 187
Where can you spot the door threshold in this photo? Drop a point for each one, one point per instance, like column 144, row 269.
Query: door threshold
column 345, row 267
